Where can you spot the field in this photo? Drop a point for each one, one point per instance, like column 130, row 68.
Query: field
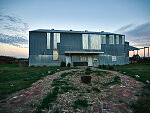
column 142, row 70
column 14, row 78
column 68, row 87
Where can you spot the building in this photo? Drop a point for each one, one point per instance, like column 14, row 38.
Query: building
column 50, row 47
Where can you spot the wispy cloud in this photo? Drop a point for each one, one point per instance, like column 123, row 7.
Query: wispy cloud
column 13, row 30
column 13, row 40
column 137, row 35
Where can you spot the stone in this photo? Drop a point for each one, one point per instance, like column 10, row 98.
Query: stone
column 137, row 76
column 147, row 81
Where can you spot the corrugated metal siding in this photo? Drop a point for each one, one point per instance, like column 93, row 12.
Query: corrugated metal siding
column 40, row 55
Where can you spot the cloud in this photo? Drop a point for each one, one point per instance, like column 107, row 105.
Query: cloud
column 137, row 35
column 13, row 31
column 124, row 28
column 13, row 40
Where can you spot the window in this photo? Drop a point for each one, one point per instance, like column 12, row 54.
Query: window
column 85, row 41
column 117, row 39
column 123, row 40
column 56, row 39
column 48, row 40
column 103, row 38
column 91, row 41
column 111, row 39
column 114, row 58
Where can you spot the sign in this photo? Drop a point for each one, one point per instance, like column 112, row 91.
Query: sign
column 55, row 55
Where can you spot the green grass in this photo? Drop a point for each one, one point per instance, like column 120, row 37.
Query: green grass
column 51, row 97
column 143, row 70
column 96, row 89
column 67, row 88
column 116, row 80
column 14, row 78
column 80, row 103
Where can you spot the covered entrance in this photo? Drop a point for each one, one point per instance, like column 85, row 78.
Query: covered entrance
column 80, row 58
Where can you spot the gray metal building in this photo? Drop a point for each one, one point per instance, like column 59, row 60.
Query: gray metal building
column 50, row 47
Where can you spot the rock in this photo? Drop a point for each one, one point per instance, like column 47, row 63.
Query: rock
column 137, row 76
column 147, row 81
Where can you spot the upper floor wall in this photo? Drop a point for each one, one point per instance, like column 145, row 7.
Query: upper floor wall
column 42, row 43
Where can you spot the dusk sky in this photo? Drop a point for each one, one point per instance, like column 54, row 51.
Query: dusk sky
column 18, row 17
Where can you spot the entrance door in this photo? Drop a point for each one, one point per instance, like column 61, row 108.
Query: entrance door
column 90, row 63
column 68, row 60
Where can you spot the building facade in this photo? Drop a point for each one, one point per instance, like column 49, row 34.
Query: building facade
column 50, row 47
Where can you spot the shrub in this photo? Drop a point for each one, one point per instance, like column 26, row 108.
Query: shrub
column 68, row 65
column 99, row 66
column 111, row 67
column 103, row 66
column 63, row 64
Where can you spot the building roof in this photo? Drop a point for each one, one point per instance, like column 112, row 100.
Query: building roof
column 131, row 48
column 72, row 31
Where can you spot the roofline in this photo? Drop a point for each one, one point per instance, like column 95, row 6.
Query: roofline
column 75, row 32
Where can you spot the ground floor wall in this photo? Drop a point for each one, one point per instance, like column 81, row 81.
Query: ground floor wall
column 91, row 60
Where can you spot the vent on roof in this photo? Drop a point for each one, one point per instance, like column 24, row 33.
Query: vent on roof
column 52, row 29
column 86, row 30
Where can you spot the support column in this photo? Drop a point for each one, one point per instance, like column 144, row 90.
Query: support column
column 148, row 51
column 144, row 51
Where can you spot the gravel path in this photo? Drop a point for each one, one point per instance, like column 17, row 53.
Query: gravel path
column 25, row 100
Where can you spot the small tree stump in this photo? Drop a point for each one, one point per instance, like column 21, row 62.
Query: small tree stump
column 86, row 79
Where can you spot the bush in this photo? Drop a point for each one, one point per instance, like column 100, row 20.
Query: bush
column 68, row 65
column 103, row 66
column 63, row 64
column 111, row 67
column 99, row 66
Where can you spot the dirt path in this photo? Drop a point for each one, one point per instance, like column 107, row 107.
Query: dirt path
column 25, row 100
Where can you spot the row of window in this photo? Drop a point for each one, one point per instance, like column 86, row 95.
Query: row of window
column 89, row 41
column 92, row 41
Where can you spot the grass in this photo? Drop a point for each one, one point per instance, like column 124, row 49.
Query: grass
column 14, row 78
column 142, row 70
column 58, row 82
column 96, row 89
column 67, row 88
column 51, row 97
column 80, row 103
column 116, row 80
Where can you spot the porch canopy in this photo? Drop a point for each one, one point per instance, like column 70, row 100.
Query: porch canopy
column 82, row 52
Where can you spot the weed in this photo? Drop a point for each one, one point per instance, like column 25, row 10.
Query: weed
column 65, row 74
column 80, row 103
column 57, row 82
column 116, row 80
column 67, row 88
column 96, row 89
column 88, row 90
column 49, row 98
